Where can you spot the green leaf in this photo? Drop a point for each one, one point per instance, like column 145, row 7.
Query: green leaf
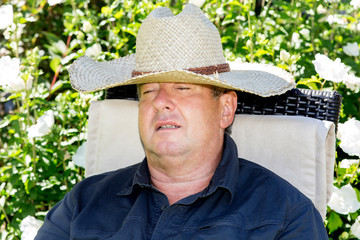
column 357, row 194
column 310, row 82
column 334, row 222
column 52, row 38
column 22, row 20
column 59, row 85
column 283, row 66
column 54, row 64
column 14, row 96
column 106, row 10
column 353, row 215
column 8, row 119
column 119, row 14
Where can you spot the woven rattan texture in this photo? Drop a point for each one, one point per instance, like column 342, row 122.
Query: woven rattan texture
column 322, row 105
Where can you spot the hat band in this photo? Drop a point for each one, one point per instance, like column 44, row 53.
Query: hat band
column 220, row 68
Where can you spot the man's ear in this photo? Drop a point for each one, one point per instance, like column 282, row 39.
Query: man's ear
column 229, row 105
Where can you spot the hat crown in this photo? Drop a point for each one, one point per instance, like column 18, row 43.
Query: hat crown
column 182, row 48
column 166, row 42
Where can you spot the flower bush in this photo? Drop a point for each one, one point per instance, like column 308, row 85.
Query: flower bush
column 344, row 200
column 29, row 227
column 351, row 49
column 329, row 70
column 43, row 121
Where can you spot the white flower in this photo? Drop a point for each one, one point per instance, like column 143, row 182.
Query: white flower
column 327, row 69
column 14, row 31
column 305, row 32
column 60, row 46
column 344, row 200
column 355, row 3
column 296, row 40
column 198, row 3
column 352, row 82
column 331, row 19
column 19, row 84
column 311, row 12
column 4, row 51
column 220, row 12
column 29, row 227
column 94, row 50
column 351, row 49
column 8, row 32
column 354, row 26
column 249, row 44
column 31, row 18
column 6, row 16
column 9, row 69
column 9, row 75
column 349, row 134
column 284, row 56
column 54, row 2
column 86, row 27
column 79, row 156
column 347, row 163
column 321, row 9
column 355, row 228
column 43, row 125
column 18, row 3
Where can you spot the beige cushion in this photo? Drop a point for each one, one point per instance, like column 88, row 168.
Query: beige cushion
column 299, row 149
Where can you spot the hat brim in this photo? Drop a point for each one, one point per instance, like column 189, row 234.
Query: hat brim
column 87, row 75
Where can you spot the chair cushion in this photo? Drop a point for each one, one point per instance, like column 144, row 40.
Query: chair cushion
column 299, row 149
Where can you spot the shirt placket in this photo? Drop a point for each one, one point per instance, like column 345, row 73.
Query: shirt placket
column 170, row 222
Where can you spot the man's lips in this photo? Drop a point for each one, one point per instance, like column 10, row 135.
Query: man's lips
column 166, row 125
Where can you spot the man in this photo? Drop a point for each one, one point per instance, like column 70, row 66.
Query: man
column 191, row 185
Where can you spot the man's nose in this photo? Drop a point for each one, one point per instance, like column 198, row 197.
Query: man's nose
column 163, row 100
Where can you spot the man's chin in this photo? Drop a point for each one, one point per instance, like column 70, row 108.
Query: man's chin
column 169, row 149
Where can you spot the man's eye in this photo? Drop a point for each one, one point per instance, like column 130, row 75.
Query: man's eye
column 183, row 88
column 148, row 91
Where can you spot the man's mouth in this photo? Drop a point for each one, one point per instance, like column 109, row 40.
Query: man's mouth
column 167, row 127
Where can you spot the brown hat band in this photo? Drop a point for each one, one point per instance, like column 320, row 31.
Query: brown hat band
column 220, row 68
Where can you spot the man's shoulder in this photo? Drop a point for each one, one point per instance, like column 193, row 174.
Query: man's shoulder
column 107, row 182
column 265, row 198
column 268, row 184
column 252, row 169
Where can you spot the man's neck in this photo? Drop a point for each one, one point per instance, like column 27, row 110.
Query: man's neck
column 184, row 179
column 179, row 174
column 179, row 187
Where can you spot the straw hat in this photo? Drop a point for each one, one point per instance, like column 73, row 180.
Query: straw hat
column 182, row 48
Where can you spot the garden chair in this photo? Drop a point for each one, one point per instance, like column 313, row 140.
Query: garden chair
column 292, row 134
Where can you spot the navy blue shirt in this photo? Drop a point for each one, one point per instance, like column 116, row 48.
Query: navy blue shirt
column 242, row 201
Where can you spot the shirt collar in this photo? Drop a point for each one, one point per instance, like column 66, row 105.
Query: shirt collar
column 225, row 175
column 141, row 179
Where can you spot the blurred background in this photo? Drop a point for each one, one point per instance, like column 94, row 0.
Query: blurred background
column 43, row 121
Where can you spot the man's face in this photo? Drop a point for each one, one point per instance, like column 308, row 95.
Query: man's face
column 178, row 119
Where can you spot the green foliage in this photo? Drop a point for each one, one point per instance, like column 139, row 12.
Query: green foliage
column 35, row 173
column 335, row 222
